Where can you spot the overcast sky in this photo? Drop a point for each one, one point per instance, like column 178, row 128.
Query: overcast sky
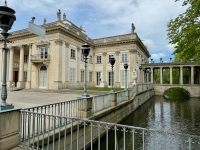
column 102, row 18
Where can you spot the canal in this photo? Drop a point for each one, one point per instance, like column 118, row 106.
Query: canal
column 173, row 116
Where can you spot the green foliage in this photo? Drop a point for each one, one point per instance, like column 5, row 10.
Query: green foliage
column 184, row 32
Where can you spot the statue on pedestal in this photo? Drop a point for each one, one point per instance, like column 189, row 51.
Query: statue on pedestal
column 134, row 76
column 102, row 76
column 59, row 15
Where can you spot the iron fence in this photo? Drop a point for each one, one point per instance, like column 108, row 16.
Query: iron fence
column 131, row 92
column 121, row 96
column 72, row 133
column 101, row 102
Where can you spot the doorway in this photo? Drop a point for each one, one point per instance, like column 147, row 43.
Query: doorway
column 15, row 77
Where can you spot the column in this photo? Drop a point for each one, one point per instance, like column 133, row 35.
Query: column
column 105, row 70
column 20, row 83
column 181, row 75
column 117, row 72
column 189, row 75
column 28, row 83
column 10, row 78
column 151, row 74
column 78, row 72
column 132, row 66
column 67, row 70
column 192, row 74
column 171, row 81
column 161, row 76
column 147, row 78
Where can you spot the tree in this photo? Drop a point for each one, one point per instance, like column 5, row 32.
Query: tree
column 184, row 32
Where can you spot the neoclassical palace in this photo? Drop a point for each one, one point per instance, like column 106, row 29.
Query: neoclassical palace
column 56, row 62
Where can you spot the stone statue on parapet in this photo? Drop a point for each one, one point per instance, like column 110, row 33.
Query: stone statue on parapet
column 81, row 27
column 133, row 28
column 64, row 17
column 45, row 21
column 59, row 15
column 32, row 19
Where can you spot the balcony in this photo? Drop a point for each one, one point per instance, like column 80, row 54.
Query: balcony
column 40, row 58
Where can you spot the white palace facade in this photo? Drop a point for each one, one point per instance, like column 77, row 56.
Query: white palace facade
column 56, row 62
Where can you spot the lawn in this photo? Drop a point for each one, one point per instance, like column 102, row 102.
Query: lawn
column 99, row 89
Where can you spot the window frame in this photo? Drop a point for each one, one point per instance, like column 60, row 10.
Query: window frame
column 99, row 60
column 73, row 54
column 123, row 58
column 82, row 75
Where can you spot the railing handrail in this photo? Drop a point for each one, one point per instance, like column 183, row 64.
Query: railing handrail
column 112, row 124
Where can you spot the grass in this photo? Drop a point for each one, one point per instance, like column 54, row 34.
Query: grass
column 99, row 89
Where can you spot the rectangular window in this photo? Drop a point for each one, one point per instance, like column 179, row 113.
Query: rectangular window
column 90, row 59
column 98, row 59
column 110, row 78
column 90, row 76
column 82, row 57
column 73, row 54
column 98, row 78
column 43, row 52
column 72, row 75
column 82, row 75
column 25, row 76
column 25, row 58
column 124, row 57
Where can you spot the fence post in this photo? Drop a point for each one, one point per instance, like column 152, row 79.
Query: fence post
column 9, row 128
column 85, row 108
column 126, row 95
column 113, row 99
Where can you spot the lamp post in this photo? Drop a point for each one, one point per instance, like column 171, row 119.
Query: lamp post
column 6, row 21
column 85, row 51
column 125, row 67
column 112, row 62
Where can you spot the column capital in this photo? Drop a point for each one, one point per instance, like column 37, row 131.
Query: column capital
column 133, row 51
column 104, row 53
column 117, row 53
column 21, row 47
column 78, row 48
column 30, row 45
column 11, row 48
column 59, row 42
column 67, row 43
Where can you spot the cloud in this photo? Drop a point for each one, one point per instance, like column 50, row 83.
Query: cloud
column 157, row 56
column 149, row 43
column 171, row 47
column 107, row 18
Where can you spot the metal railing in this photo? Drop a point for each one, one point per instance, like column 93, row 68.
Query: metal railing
column 71, row 133
column 121, row 96
column 68, row 108
column 101, row 102
column 40, row 57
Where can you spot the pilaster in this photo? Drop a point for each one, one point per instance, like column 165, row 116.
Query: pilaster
column 181, row 75
column 132, row 65
column 192, row 75
column 117, row 71
column 105, row 68
column 78, row 67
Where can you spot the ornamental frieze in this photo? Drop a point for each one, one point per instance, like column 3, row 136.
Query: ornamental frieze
column 59, row 42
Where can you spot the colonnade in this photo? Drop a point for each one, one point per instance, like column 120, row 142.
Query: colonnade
column 20, row 82
column 161, row 68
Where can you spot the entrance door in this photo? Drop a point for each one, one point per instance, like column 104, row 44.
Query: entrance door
column 15, row 77
column 43, row 76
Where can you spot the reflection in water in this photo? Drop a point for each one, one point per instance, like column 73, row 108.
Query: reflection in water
column 180, row 116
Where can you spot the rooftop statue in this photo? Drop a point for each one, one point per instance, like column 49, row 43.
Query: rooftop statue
column 59, row 15
column 64, row 17
column 133, row 28
column 45, row 21
column 32, row 19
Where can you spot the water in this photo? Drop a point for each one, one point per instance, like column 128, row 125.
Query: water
column 174, row 116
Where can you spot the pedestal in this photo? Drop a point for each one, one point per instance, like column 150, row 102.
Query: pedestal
column 102, row 84
column 20, row 84
column 28, row 85
column 9, row 129
column 57, row 85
